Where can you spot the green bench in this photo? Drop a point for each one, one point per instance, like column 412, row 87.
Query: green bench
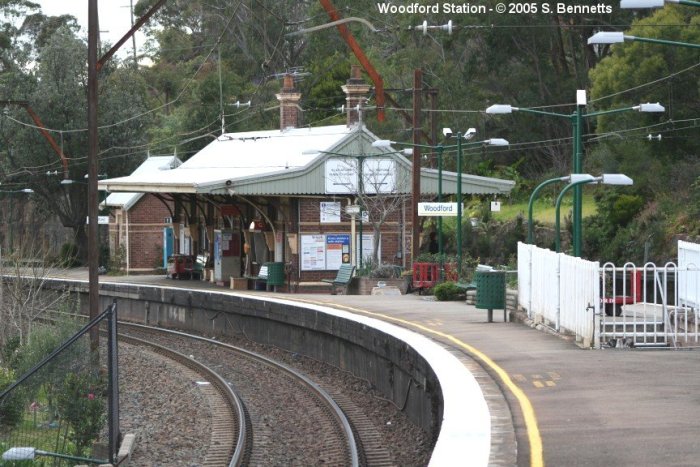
column 261, row 277
column 342, row 279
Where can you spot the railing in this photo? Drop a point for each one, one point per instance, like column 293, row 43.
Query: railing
column 613, row 306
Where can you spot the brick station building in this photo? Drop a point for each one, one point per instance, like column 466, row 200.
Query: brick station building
column 286, row 195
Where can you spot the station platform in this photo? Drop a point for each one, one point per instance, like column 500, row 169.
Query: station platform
column 550, row 402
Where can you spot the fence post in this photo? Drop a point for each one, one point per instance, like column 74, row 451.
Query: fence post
column 113, row 390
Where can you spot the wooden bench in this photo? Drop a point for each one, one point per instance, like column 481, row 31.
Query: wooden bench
column 261, row 277
column 342, row 278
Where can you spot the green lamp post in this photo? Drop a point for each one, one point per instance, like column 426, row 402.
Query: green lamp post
column 576, row 119
column 579, row 180
column 383, row 143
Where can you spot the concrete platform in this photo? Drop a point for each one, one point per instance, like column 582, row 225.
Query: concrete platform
column 566, row 406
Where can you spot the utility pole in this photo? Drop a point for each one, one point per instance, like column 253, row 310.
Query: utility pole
column 93, row 249
column 415, row 186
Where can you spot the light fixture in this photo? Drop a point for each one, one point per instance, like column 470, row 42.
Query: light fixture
column 607, row 37
column 500, row 109
column 642, row 3
column 616, row 179
column 649, row 107
column 382, row 143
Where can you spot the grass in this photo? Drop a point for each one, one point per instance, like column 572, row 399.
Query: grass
column 543, row 209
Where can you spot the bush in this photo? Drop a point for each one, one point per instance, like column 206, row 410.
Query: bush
column 448, row 291
column 11, row 406
column 68, row 257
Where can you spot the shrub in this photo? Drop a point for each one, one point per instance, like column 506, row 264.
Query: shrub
column 447, row 291
column 68, row 257
column 11, row 406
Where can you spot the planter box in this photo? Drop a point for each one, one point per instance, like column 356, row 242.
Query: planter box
column 364, row 285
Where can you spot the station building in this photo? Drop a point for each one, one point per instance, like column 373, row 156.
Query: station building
column 312, row 198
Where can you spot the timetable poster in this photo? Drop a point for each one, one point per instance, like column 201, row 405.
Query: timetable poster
column 313, row 252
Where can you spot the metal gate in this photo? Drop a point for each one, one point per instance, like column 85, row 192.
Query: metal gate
column 649, row 306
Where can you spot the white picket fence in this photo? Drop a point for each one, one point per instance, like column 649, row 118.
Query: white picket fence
column 559, row 291
column 609, row 305
column 688, row 276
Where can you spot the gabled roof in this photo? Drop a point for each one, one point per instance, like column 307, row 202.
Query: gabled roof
column 236, row 156
column 152, row 165
column 289, row 162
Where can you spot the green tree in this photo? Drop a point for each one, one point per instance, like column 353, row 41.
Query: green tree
column 56, row 91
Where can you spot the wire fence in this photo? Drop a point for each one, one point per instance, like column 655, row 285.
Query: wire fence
column 55, row 395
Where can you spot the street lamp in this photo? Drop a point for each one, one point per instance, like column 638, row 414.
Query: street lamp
column 569, row 178
column 383, row 143
column 618, row 37
column 576, row 119
column 654, row 3
column 583, row 179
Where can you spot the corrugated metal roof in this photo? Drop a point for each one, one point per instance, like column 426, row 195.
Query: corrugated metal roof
column 288, row 162
column 237, row 156
column 152, row 165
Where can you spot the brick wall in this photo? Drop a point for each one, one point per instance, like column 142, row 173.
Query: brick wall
column 310, row 223
column 146, row 223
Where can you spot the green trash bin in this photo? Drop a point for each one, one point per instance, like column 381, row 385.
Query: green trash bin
column 490, row 291
column 275, row 273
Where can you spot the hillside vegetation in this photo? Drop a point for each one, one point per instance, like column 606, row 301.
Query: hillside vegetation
column 207, row 55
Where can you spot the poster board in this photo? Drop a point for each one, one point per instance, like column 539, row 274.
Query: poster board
column 337, row 250
column 313, row 253
column 367, row 247
column 324, row 252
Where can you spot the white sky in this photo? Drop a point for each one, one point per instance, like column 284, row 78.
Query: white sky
column 114, row 17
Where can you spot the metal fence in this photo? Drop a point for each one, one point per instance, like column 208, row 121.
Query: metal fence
column 613, row 306
column 62, row 409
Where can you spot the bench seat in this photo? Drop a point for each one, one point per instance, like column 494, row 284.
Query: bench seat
column 342, row 279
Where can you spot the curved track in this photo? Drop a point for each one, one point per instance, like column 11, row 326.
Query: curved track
column 230, row 433
column 292, row 418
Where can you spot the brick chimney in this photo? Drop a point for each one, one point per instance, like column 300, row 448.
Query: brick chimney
column 356, row 94
column 289, row 104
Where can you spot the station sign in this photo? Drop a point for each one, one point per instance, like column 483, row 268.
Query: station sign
column 438, row 209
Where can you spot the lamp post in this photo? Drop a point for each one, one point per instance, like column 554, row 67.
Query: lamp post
column 383, row 143
column 583, row 179
column 530, row 227
column 618, row 37
column 576, row 119
column 654, row 3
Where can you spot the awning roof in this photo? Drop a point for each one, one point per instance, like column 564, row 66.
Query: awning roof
column 236, row 156
column 283, row 163
column 152, row 166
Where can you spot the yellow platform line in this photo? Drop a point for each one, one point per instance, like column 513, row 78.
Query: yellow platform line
column 533, row 431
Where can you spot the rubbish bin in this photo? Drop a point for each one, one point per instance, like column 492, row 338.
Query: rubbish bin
column 275, row 273
column 490, row 291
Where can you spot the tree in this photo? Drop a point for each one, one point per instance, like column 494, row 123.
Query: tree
column 56, row 91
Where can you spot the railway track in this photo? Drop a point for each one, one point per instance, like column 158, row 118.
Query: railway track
column 292, row 419
column 230, row 432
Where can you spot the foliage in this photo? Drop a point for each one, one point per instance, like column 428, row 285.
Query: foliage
column 176, row 104
column 448, row 291
column 80, row 402
column 68, row 256
column 12, row 406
